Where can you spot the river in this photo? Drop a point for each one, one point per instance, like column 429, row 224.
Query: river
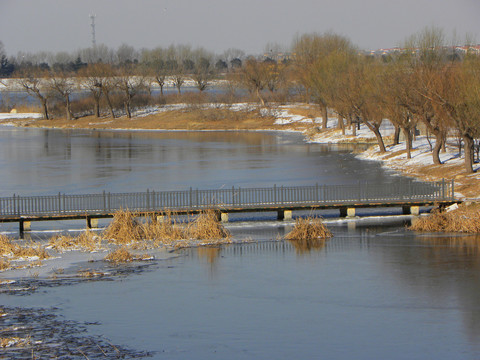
column 374, row 290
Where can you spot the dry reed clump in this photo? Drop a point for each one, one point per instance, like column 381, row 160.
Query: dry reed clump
column 163, row 229
column 87, row 240
column 464, row 219
column 122, row 255
column 90, row 273
column 4, row 264
column 15, row 251
column 308, row 229
column 207, row 227
column 124, row 228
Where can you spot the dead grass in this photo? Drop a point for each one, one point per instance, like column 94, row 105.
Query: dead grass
column 86, row 241
column 310, row 228
column 123, row 255
column 464, row 220
column 192, row 118
column 124, row 228
column 14, row 251
column 162, row 229
column 165, row 230
column 206, row 226
column 4, row 264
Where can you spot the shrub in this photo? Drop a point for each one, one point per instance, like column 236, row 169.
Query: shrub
column 308, row 229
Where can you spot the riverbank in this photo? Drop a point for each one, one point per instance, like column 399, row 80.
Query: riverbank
column 296, row 117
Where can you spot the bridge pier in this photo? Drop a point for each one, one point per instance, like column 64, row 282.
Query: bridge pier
column 284, row 215
column 411, row 210
column 224, row 217
column 24, row 226
column 92, row 223
column 347, row 212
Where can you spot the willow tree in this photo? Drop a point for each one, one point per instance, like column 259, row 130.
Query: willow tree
column 314, row 68
column 425, row 53
column 457, row 94
column 398, row 100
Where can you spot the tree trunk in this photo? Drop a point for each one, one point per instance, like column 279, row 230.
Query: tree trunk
column 408, row 141
column 437, row 148
column 96, row 109
column 378, row 136
column 262, row 102
column 325, row 117
column 341, row 124
column 110, row 106
column 127, row 109
column 45, row 109
column 468, row 144
column 396, row 135
column 68, row 108
column 354, row 127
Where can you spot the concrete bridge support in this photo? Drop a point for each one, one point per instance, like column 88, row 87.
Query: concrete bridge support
column 411, row 210
column 284, row 215
column 92, row 223
column 24, row 226
column 223, row 216
column 347, row 212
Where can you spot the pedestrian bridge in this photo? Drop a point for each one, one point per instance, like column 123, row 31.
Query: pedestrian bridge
column 282, row 199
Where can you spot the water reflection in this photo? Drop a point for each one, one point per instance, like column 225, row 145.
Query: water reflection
column 46, row 161
column 304, row 246
column 209, row 253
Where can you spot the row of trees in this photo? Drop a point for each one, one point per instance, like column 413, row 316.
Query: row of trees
column 422, row 84
column 179, row 56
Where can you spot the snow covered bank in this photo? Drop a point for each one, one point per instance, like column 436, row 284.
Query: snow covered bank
column 14, row 116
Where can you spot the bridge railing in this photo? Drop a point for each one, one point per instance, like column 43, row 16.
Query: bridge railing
column 194, row 199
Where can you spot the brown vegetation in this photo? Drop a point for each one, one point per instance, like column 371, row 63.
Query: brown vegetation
column 308, row 229
column 9, row 249
column 86, row 241
column 464, row 220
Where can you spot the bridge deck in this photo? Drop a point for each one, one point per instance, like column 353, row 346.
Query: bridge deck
column 276, row 198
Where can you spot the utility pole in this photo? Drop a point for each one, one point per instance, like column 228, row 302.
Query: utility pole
column 92, row 24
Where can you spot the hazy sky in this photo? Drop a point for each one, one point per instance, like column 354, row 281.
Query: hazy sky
column 64, row 25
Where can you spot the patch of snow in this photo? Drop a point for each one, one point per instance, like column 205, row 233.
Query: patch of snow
column 12, row 116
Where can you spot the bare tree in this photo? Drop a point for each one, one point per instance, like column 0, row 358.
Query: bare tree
column 92, row 78
column 34, row 82
column 253, row 77
column 130, row 84
column 107, row 83
column 63, row 84
column 155, row 61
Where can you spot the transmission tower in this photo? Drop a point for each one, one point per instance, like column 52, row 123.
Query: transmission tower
column 92, row 24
